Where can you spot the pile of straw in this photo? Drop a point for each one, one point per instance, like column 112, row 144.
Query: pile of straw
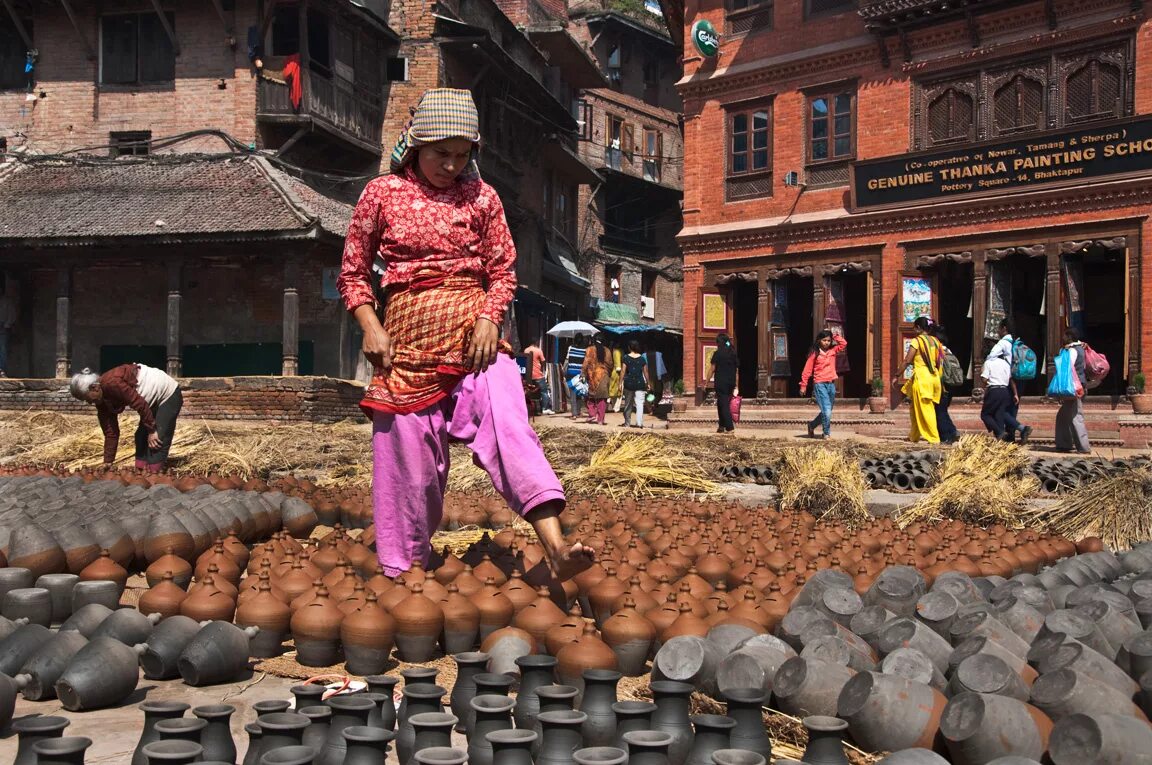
column 825, row 482
column 639, row 466
column 1118, row 509
column 982, row 480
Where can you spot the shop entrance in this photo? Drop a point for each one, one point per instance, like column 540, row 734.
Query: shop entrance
column 1094, row 287
column 954, row 293
column 746, row 335
column 846, row 310
column 791, row 332
column 1016, row 290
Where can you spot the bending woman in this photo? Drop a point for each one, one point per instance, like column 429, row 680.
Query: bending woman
column 152, row 393
column 923, row 388
column 441, row 370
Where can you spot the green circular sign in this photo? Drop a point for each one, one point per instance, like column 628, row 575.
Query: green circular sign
column 705, row 38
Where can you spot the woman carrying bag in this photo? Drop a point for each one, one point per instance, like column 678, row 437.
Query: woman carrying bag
column 596, row 372
column 723, row 376
column 820, row 372
column 923, row 388
column 1068, row 385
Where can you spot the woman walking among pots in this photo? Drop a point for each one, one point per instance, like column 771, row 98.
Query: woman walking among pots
column 441, row 370
column 1071, row 432
column 923, row 387
column 153, row 394
column 597, row 371
column 820, row 372
column 723, row 377
column 636, row 385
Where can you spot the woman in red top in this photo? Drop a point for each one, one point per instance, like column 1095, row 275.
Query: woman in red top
column 441, row 370
column 820, row 371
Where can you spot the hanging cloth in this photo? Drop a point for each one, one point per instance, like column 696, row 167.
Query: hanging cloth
column 292, row 75
column 1073, row 272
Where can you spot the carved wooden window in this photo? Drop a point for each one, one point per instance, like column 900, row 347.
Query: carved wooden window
column 748, row 15
column 749, row 152
column 831, row 127
column 1018, row 106
column 821, row 7
column 951, row 118
column 1093, row 92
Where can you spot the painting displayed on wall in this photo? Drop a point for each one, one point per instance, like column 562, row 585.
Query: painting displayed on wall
column 715, row 313
column 907, row 346
column 706, row 352
column 917, row 298
column 781, row 366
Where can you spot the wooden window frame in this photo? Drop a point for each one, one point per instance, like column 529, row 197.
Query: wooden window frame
column 845, row 7
column 584, row 133
column 830, row 95
column 747, row 110
column 753, row 10
column 610, row 120
column 657, row 158
column 139, row 81
column 970, row 136
column 128, row 143
column 19, row 81
column 1065, row 112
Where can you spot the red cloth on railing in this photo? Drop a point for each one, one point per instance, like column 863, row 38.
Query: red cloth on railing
column 292, row 75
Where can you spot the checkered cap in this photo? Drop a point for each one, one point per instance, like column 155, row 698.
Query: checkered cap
column 442, row 113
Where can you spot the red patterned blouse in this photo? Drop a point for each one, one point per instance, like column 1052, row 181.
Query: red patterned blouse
column 422, row 231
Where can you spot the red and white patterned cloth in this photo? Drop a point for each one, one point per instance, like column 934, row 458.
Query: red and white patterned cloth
column 449, row 260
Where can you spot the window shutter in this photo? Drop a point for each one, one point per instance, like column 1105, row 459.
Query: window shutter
column 157, row 59
column 118, row 49
column 629, row 140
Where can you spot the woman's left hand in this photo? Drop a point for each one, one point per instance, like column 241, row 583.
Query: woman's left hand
column 482, row 349
column 154, row 441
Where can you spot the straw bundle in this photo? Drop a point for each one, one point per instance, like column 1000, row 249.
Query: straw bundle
column 982, row 480
column 639, row 466
column 1118, row 509
column 825, row 482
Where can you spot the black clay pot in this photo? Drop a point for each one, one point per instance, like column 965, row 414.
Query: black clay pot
column 31, row 603
column 535, row 670
column 468, row 665
column 510, row 747
column 441, row 756
column 44, row 667
column 630, row 716
column 181, row 729
column 316, row 734
column 270, row 707
column 431, row 730
column 217, row 654
column 217, row 737
column 561, row 736
column 168, row 640
column 281, row 729
column 553, row 698
column 672, row 717
column 67, row 750
column 154, row 712
column 743, row 757
column 252, row 754
column 127, row 625
column 376, row 716
column 420, row 699
column 15, row 578
column 648, row 747
column 308, row 695
column 712, row 733
column 599, row 696
column 490, row 714
column 414, row 676
column 9, row 687
column 367, row 745
column 744, row 706
column 825, row 741
column 21, row 646
column 289, row 755
column 31, row 730
column 347, row 712
column 173, row 752
column 59, row 588
column 101, row 674
column 600, row 755
column 86, row 619
column 100, row 592
column 7, row 626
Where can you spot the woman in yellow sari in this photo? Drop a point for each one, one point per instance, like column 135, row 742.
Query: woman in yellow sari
column 923, row 388
column 616, row 382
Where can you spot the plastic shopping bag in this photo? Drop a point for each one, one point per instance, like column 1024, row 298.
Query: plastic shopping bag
column 1064, row 382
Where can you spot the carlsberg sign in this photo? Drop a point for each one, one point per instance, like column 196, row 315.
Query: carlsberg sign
column 705, row 38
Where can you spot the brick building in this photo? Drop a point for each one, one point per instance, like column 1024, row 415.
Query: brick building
column 861, row 164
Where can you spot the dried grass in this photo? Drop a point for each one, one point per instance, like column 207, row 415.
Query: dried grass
column 824, row 482
column 981, row 480
column 1118, row 509
column 630, row 465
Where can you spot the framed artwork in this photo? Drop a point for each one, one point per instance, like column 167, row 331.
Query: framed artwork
column 328, row 288
column 706, row 351
column 780, row 345
column 713, row 312
column 906, row 345
column 916, row 298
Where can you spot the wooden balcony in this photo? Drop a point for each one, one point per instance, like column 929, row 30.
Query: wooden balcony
column 352, row 116
column 892, row 15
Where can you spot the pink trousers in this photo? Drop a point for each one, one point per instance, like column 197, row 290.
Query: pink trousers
column 487, row 413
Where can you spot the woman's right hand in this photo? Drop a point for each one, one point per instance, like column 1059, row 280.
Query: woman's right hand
column 377, row 347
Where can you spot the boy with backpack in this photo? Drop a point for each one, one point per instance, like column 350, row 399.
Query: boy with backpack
column 1008, row 360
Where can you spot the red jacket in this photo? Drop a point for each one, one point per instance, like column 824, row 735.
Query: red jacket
column 119, row 388
column 821, row 365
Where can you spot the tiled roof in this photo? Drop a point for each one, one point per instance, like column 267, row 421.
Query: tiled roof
column 169, row 198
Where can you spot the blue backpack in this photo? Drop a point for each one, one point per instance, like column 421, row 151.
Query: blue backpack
column 1023, row 361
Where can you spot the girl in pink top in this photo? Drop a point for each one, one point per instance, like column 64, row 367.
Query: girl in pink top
column 820, row 371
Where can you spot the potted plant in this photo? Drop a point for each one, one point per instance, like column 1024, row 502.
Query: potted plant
column 679, row 403
column 878, row 403
column 1141, row 401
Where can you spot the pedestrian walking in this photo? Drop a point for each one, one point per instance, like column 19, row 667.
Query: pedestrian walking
column 441, row 371
column 922, row 388
column 1008, row 424
column 1071, row 432
column 636, row 385
column 536, row 375
column 819, row 379
column 722, row 375
column 616, row 384
column 944, row 423
column 597, row 372
column 573, row 364
column 151, row 392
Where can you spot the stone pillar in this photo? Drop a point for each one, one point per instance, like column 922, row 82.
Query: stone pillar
column 763, row 336
column 979, row 313
column 291, row 337
column 175, row 366
column 64, row 321
column 1054, row 305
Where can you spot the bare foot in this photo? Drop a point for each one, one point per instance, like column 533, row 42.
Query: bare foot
column 569, row 560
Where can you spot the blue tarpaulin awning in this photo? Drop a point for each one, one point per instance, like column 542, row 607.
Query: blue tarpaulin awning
column 623, row 329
